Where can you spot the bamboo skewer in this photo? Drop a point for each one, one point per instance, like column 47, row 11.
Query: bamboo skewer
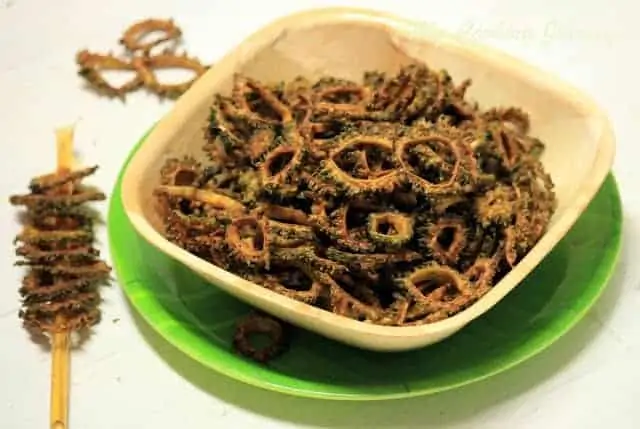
column 61, row 341
column 60, row 371
column 59, row 292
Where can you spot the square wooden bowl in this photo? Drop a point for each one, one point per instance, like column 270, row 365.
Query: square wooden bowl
column 345, row 42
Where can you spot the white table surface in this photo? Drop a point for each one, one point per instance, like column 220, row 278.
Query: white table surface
column 129, row 377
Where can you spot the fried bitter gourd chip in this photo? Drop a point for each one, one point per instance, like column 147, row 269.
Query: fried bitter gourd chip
column 64, row 269
column 141, row 62
column 394, row 201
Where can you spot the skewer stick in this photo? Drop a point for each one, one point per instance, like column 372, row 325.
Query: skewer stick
column 60, row 362
column 61, row 341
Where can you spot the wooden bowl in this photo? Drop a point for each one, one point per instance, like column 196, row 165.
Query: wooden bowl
column 345, row 42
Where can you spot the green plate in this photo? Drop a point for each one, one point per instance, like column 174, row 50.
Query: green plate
column 198, row 318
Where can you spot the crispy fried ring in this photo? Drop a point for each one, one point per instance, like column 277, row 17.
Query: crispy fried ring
column 132, row 37
column 180, row 171
column 448, row 184
column 91, row 65
column 254, row 250
column 279, row 164
column 429, row 287
column 145, row 67
column 446, row 239
column 389, row 229
column 243, row 86
column 259, row 324
column 383, row 181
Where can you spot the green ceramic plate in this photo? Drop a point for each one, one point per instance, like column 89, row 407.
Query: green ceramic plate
column 198, row 318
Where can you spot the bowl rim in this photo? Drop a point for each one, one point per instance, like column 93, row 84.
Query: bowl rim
column 187, row 104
